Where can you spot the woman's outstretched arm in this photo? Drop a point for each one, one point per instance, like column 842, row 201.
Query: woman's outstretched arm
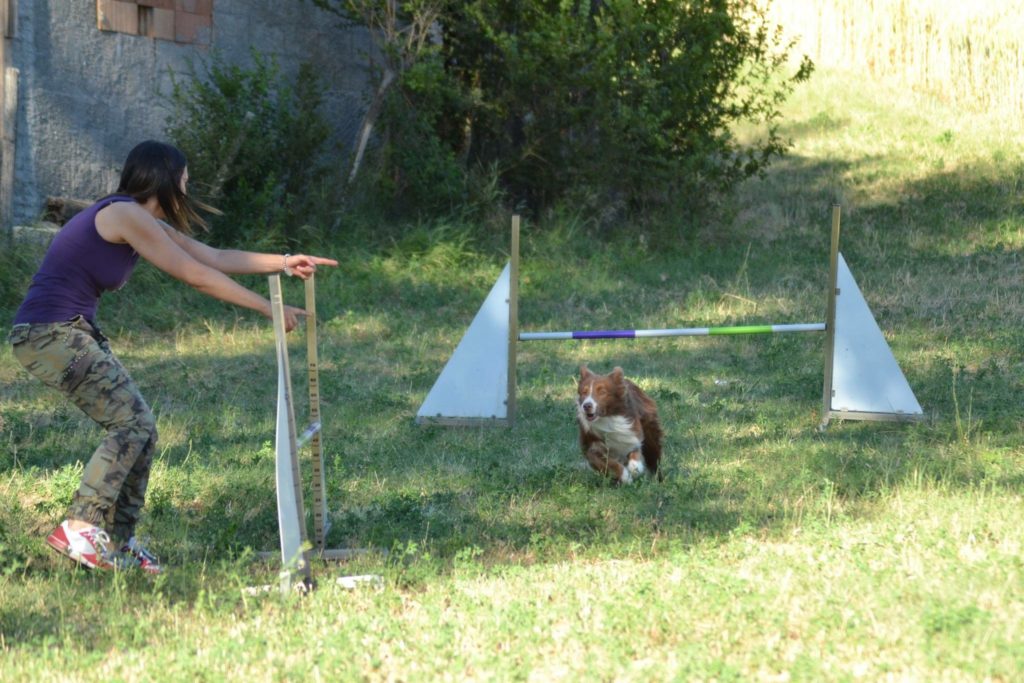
column 238, row 262
column 131, row 223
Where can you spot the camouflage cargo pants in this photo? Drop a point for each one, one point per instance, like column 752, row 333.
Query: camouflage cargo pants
column 75, row 358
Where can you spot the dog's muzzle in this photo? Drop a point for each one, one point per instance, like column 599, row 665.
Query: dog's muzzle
column 588, row 409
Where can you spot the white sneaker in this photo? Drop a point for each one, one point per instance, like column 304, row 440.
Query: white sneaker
column 89, row 547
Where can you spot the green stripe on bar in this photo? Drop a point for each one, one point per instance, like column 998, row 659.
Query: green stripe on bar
column 742, row 329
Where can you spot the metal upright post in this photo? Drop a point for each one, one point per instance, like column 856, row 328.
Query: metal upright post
column 513, row 321
column 321, row 522
column 830, row 320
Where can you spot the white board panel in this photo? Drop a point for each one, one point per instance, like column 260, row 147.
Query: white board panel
column 474, row 382
column 287, row 507
column 865, row 375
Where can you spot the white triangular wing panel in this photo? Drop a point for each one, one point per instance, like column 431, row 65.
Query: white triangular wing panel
column 474, row 382
column 865, row 375
column 287, row 506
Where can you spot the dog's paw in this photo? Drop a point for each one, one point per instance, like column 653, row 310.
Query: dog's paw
column 627, row 477
column 635, row 467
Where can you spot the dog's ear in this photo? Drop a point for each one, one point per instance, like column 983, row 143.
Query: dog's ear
column 585, row 371
column 616, row 375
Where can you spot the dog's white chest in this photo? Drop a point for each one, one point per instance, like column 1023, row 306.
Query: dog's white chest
column 617, row 433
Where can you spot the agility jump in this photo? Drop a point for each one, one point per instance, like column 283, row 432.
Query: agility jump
column 862, row 380
column 291, row 512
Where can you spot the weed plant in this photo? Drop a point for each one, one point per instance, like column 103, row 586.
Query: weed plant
column 772, row 551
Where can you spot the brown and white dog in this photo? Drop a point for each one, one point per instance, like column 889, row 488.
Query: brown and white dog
column 619, row 429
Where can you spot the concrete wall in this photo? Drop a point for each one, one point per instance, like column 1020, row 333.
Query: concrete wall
column 87, row 96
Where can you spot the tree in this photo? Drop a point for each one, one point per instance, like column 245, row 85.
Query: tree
column 255, row 144
column 631, row 102
column 402, row 34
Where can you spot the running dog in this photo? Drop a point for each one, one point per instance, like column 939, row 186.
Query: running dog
column 620, row 434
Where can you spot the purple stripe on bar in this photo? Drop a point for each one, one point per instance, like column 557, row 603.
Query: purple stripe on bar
column 604, row 334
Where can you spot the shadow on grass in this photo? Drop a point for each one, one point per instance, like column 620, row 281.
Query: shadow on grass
column 744, row 454
column 521, row 491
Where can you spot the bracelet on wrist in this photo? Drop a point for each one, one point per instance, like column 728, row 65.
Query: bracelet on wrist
column 286, row 269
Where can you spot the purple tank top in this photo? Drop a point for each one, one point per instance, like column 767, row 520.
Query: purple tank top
column 78, row 267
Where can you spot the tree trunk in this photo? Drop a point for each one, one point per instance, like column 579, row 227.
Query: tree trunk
column 369, row 120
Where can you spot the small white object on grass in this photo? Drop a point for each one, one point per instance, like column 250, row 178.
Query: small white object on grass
column 353, row 582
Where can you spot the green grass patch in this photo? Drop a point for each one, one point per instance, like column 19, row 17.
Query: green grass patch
column 771, row 551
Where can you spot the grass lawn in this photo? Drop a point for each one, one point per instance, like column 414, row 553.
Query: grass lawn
column 771, row 552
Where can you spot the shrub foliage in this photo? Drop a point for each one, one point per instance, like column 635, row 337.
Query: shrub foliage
column 256, row 146
column 623, row 102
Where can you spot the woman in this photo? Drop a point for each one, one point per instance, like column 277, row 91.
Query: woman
column 56, row 338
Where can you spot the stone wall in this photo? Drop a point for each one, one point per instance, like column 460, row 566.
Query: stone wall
column 94, row 77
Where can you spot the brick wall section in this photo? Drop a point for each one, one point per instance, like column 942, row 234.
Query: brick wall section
column 183, row 21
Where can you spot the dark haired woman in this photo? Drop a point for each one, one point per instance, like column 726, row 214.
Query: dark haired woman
column 56, row 338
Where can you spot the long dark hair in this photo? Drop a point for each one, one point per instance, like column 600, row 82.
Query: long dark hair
column 154, row 169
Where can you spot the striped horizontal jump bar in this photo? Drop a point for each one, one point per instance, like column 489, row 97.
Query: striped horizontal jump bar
column 680, row 332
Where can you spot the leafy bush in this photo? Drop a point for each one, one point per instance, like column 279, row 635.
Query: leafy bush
column 16, row 268
column 623, row 103
column 257, row 149
column 419, row 168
